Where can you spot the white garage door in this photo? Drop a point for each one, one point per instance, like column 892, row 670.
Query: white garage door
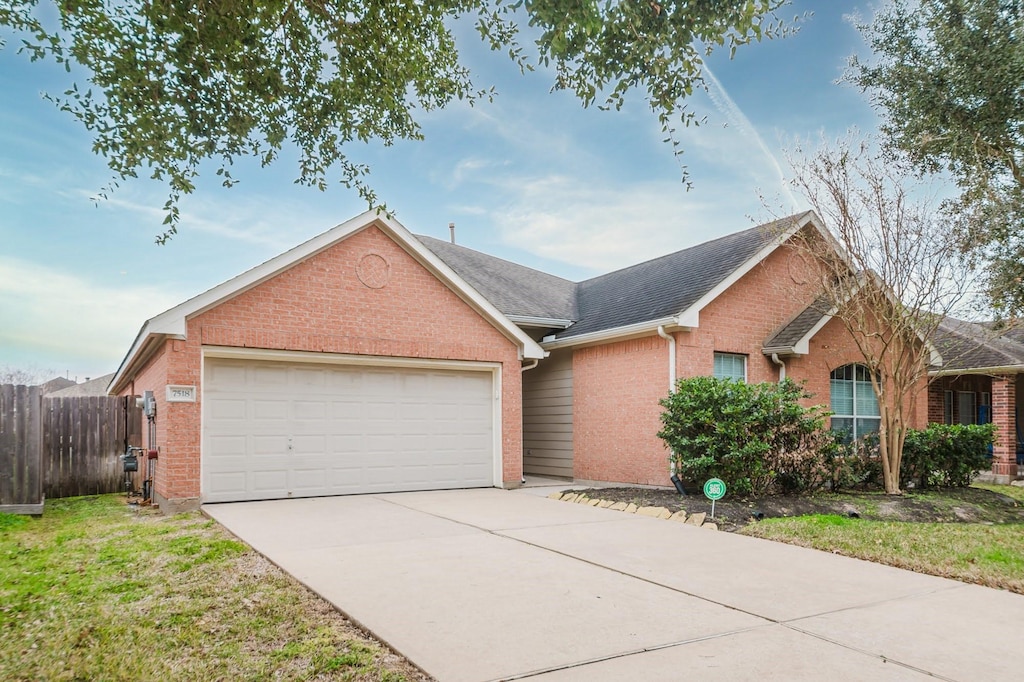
column 277, row 429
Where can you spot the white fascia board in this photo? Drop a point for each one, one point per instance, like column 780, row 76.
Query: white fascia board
column 1005, row 369
column 934, row 357
column 690, row 317
column 605, row 335
column 173, row 322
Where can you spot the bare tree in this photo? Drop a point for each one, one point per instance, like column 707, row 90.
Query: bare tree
column 888, row 269
column 28, row 376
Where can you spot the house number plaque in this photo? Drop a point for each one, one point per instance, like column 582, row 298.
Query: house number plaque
column 181, row 394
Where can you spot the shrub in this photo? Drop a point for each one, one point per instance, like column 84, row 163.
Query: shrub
column 855, row 464
column 946, row 455
column 755, row 437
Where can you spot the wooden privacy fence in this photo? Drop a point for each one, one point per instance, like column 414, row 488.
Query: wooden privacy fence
column 83, row 440
column 21, row 478
column 62, row 447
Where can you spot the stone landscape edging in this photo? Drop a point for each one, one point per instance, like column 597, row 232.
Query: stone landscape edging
column 698, row 519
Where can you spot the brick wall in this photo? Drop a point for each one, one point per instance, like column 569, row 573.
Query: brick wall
column 617, row 385
column 365, row 295
column 616, row 388
column 153, row 377
column 1004, row 453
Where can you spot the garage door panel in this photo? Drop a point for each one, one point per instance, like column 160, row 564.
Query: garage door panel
column 272, row 482
column 268, row 375
column 272, row 429
column 263, row 408
column 228, row 483
column 272, row 445
column 227, row 408
column 309, row 410
column 226, row 446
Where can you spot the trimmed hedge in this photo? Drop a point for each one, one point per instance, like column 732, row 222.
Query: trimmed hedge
column 946, row 455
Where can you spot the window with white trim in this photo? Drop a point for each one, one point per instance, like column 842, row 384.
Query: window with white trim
column 731, row 366
column 853, row 402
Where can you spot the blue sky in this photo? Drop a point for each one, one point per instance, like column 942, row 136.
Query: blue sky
column 533, row 178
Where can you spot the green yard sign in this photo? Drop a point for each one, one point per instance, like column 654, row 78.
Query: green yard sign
column 714, row 489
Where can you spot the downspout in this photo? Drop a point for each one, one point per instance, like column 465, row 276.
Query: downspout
column 525, row 368
column 671, row 357
column 671, row 389
column 782, row 366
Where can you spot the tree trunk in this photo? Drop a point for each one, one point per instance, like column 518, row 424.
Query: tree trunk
column 890, row 449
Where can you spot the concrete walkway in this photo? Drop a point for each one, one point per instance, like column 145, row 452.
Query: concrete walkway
column 492, row 584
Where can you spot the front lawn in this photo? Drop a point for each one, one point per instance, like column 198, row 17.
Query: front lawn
column 986, row 554
column 96, row 589
column 971, row 534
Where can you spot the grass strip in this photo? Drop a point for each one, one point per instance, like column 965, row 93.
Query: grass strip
column 985, row 554
column 95, row 589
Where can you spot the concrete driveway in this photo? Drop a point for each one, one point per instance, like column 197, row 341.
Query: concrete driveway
column 493, row 585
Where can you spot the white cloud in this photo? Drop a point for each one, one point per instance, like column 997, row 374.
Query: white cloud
column 238, row 218
column 604, row 227
column 727, row 148
column 56, row 318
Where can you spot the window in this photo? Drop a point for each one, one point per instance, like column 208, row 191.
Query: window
column 730, row 366
column 947, row 406
column 966, row 412
column 853, row 402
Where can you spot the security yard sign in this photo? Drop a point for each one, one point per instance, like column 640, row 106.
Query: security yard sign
column 714, row 489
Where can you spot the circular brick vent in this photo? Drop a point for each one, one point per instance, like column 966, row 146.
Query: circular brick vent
column 374, row 271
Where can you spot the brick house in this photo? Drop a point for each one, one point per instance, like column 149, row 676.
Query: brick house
column 979, row 383
column 371, row 360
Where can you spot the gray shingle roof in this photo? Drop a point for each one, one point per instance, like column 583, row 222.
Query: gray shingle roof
column 93, row 387
column 664, row 286
column 656, row 289
column 965, row 345
column 513, row 289
column 789, row 334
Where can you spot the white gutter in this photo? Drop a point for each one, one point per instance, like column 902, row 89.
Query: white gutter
column 646, row 327
column 1006, row 369
column 530, row 365
column 782, row 366
column 671, row 357
column 549, row 322
column 671, row 380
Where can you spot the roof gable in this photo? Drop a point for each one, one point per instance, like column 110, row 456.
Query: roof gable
column 674, row 288
column 172, row 323
column 794, row 336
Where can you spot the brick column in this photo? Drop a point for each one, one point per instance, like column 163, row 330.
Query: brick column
column 1004, row 409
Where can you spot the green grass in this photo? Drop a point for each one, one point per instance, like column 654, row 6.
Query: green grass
column 986, row 554
column 96, row 590
column 1016, row 492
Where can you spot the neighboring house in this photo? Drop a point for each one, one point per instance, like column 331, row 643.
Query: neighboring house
column 53, row 385
column 370, row 360
column 86, row 389
column 978, row 384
